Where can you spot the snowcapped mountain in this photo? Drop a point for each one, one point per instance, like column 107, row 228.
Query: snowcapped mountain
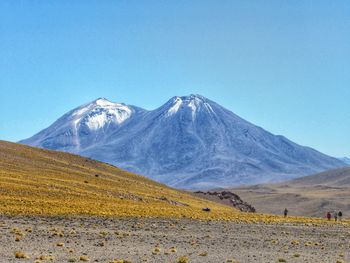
column 84, row 126
column 189, row 142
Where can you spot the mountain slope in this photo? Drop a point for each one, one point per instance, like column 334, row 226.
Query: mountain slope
column 345, row 160
column 42, row 182
column 189, row 142
column 333, row 178
column 312, row 195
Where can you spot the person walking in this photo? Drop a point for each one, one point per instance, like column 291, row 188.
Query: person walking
column 285, row 212
column 329, row 216
column 340, row 214
column 335, row 214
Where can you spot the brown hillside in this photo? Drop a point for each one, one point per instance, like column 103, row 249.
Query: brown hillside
column 312, row 195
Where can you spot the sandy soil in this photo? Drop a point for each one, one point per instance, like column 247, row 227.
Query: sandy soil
column 313, row 201
column 312, row 195
column 152, row 240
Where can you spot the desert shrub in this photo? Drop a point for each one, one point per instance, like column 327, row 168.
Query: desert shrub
column 182, row 259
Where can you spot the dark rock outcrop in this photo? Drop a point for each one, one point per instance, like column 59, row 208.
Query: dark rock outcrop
column 228, row 198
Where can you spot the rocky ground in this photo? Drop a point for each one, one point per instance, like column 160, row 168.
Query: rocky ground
column 37, row 239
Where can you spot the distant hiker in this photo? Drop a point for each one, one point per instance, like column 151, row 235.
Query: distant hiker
column 335, row 214
column 329, row 216
column 340, row 214
column 285, row 212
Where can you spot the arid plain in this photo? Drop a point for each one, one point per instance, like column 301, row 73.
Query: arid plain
column 58, row 207
column 313, row 195
column 95, row 239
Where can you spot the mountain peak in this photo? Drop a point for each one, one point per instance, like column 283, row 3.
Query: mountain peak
column 194, row 97
column 194, row 102
column 98, row 114
column 190, row 97
column 103, row 102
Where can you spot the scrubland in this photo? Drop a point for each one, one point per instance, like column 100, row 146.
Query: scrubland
column 60, row 207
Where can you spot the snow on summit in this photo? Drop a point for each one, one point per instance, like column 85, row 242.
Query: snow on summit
column 85, row 125
column 192, row 102
column 104, row 102
column 189, row 142
column 102, row 112
column 175, row 107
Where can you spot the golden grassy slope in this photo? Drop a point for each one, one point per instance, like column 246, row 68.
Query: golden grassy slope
column 41, row 182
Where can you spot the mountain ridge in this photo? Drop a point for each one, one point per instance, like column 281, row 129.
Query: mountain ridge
column 189, row 142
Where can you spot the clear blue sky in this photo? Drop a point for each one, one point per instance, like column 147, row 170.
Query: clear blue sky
column 283, row 65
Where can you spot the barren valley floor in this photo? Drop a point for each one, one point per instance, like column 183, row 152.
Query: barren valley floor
column 167, row 240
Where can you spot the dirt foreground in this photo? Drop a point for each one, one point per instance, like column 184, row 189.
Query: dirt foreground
column 37, row 239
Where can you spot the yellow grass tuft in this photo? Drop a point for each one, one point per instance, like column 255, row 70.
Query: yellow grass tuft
column 182, row 259
column 84, row 258
column 20, row 254
column 156, row 250
column 43, row 257
column 295, row 242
